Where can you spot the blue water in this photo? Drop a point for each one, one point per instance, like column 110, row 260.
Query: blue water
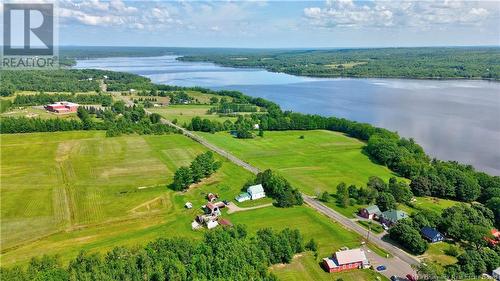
column 452, row 120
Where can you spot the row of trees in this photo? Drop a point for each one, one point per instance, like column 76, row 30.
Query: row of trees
column 277, row 187
column 232, row 107
column 223, row 254
column 201, row 167
column 386, row 196
column 117, row 120
column 42, row 99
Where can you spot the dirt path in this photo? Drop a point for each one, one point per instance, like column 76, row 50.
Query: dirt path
column 233, row 208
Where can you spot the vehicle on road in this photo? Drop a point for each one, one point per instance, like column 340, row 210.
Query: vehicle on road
column 411, row 277
column 381, row 268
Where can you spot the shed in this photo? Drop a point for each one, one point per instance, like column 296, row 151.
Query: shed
column 212, row 224
column 242, row 197
column 432, row 234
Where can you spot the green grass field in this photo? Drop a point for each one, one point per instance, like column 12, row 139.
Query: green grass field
column 317, row 163
column 185, row 112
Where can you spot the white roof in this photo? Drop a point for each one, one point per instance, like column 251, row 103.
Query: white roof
column 64, row 103
column 497, row 271
column 330, row 263
column 255, row 189
column 350, row 256
column 212, row 224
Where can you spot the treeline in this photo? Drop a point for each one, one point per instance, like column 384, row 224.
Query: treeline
column 223, row 254
column 202, row 167
column 116, row 120
column 13, row 125
column 424, row 63
column 70, row 80
column 232, row 107
column 42, row 99
column 278, row 188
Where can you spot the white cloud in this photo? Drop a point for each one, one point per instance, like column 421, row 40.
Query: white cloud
column 382, row 13
column 131, row 15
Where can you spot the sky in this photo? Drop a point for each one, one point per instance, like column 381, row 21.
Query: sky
column 279, row 24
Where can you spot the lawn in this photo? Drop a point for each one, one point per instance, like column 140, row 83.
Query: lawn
column 316, row 163
column 307, row 267
column 437, row 253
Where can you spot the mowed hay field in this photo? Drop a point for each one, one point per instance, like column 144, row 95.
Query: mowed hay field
column 316, row 163
column 57, row 181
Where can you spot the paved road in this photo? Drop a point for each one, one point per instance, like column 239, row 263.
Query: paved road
column 399, row 265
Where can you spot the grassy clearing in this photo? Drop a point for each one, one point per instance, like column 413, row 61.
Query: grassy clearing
column 307, row 267
column 437, row 253
column 317, row 163
column 185, row 112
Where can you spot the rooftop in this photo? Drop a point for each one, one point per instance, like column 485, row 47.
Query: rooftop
column 429, row 232
column 350, row 256
column 255, row 188
column 373, row 209
column 394, row 215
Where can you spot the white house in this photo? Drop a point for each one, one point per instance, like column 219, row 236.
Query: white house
column 496, row 274
column 256, row 192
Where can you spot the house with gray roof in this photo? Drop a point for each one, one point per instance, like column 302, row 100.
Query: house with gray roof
column 391, row 217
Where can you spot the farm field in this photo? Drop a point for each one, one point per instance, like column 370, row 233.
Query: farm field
column 185, row 112
column 55, row 183
column 34, row 112
column 316, row 163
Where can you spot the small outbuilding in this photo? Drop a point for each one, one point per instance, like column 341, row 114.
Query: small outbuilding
column 432, row 234
column 370, row 212
column 212, row 224
column 242, row 197
column 188, row 205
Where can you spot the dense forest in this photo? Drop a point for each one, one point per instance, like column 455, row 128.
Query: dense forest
column 223, row 254
column 419, row 63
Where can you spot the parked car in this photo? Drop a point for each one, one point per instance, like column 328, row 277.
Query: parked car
column 385, row 226
column 394, row 278
column 411, row 277
column 381, row 268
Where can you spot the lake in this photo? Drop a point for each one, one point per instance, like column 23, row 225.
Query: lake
column 452, row 120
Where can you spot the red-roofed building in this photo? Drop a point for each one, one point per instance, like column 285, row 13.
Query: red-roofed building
column 346, row 260
column 496, row 237
column 62, row 107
